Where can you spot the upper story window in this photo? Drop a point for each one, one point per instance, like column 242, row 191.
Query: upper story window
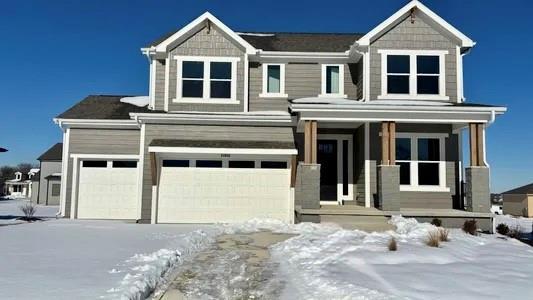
column 332, row 80
column 207, row 79
column 273, row 81
column 422, row 162
column 18, row 176
column 413, row 74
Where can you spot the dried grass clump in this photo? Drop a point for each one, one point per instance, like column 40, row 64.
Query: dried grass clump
column 470, row 227
column 433, row 239
column 28, row 210
column 444, row 235
column 393, row 246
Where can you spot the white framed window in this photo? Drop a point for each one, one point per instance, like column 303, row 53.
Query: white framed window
column 202, row 79
column 422, row 162
column 413, row 74
column 273, row 81
column 332, row 80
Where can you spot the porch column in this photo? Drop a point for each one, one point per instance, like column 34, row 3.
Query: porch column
column 310, row 145
column 307, row 183
column 477, row 175
column 388, row 171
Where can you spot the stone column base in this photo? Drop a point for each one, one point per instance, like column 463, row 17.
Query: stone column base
column 477, row 189
column 307, row 189
column 389, row 187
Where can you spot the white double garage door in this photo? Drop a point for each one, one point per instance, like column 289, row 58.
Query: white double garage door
column 190, row 190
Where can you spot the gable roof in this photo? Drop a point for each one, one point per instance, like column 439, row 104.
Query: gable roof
column 54, row 153
column 526, row 189
column 103, row 107
column 301, row 41
column 404, row 12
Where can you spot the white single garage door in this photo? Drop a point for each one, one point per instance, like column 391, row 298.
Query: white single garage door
column 229, row 190
column 107, row 189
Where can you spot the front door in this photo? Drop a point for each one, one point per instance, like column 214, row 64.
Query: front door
column 327, row 158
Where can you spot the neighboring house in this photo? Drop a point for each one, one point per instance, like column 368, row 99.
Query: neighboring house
column 519, row 201
column 240, row 125
column 22, row 185
column 49, row 179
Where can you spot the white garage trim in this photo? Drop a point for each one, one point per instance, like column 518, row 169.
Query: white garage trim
column 105, row 156
column 223, row 150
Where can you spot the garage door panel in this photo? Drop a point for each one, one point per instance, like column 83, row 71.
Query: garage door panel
column 207, row 195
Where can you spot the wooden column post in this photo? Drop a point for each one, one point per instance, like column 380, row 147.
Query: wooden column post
column 307, row 142
column 392, row 143
column 385, row 148
column 477, row 147
column 314, row 142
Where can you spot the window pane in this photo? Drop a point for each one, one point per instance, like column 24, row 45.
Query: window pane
column 398, row 64
column 193, row 88
column 398, row 84
column 124, row 164
column 427, row 64
column 249, row 164
column 95, row 164
column 428, row 149
column 273, row 81
column 209, row 164
column 405, row 172
column 220, row 70
column 220, row 89
column 176, row 163
column 403, row 149
column 56, row 189
column 428, row 174
column 332, row 79
column 427, row 85
column 273, row 165
column 193, row 69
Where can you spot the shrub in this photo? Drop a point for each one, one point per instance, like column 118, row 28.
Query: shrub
column 470, row 227
column 28, row 210
column 392, row 245
column 514, row 232
column 437, row 222
column 433, row 239
column 502, row 229
column 444, row 235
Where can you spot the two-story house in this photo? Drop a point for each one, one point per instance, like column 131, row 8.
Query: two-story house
column 241, row 125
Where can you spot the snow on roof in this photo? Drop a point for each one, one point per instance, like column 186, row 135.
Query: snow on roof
column 140, row 101
column 34, row 171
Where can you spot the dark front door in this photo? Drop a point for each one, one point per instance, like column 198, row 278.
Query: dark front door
column 327, row 158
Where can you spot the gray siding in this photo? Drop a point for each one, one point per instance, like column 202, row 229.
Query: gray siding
column 99, row 141
column 52, row 199
column 420, row 199
column 202, row 132
column 204, row 44
column 47, row 168
column 159, row 89
column 301, row 80
column 417, row 36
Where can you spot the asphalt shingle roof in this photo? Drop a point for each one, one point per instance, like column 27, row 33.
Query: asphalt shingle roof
column 526, row 189
column 223, row 144
column 54, row 153
column 102, row 107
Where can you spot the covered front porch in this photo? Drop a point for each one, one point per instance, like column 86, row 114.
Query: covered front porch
column 391, row 157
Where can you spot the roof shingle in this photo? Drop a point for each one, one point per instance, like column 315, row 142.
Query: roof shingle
column 54, row 153
column 102, row 107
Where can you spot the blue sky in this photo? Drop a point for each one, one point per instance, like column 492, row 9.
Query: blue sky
column 53, row 53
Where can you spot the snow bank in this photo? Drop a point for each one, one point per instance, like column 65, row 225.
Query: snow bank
column 140, row 101
column 523, row 224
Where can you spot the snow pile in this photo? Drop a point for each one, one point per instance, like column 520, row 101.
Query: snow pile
column 140, row 101
column 522, row 224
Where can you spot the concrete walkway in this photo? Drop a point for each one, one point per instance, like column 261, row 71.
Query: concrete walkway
column 236, row 267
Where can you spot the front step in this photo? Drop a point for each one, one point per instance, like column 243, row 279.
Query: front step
column 365, row 223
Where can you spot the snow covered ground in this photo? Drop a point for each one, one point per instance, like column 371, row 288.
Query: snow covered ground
column 10, row 211
column 524, row 225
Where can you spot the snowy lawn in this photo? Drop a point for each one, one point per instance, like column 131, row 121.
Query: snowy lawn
column 10, row 211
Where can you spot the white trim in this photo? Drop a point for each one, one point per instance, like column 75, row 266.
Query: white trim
column 200, row 150
column 74, row 192
column 281, row 93
column 367, row 164
column 459, row 68
column 323, row 92
column 206, row 98
column 246, row 80
column 104, row 156
column 140, row 172
column 413, row 74
column 404, row 11
column 95, row 123
column 64, row 170
column 167, row 82
column 413, row 162
column 199, row 117
column 151, row 87
column 340, row 177
column 198, row 23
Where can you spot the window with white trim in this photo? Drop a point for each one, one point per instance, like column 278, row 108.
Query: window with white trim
column 413, row 74
column 422, row 162
column 209, row 79
column 273, row 81
column 332, row 80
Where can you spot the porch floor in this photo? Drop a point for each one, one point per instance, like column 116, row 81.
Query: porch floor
column 355, row 210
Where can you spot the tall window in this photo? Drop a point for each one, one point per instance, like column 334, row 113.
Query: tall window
column 333, row 80
column 206, row 78
column 273, row 80
column 421, row 161
column 413, row 74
